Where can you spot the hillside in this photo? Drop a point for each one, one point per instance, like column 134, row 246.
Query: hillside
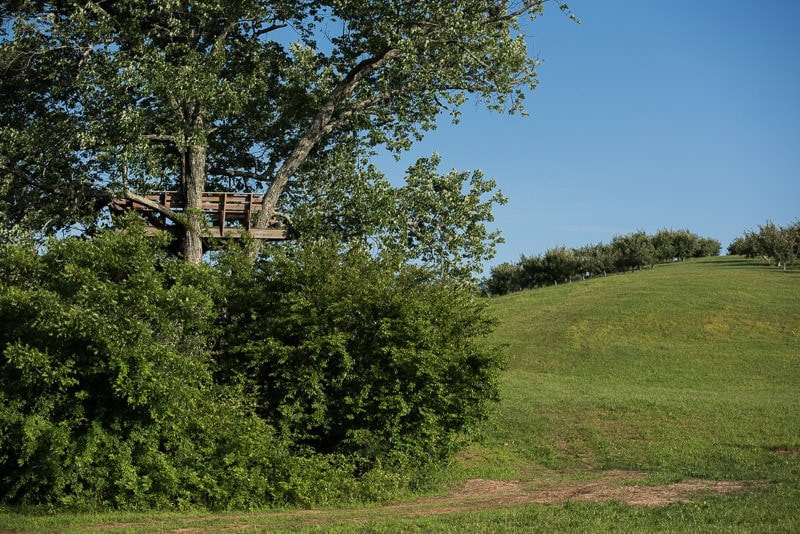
column 688, row 370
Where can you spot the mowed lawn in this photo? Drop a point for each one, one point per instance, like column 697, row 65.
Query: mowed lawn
column 688, row 371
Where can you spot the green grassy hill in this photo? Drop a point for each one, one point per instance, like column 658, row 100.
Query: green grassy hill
column 686, row 370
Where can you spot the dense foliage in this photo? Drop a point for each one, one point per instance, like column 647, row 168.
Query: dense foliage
column 336, row 365
column 624, row 253
column 130, row 378
column 118, row 98
column 351, row 354
column 780, row 244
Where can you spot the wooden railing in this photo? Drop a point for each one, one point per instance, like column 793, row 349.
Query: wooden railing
column 227, row 214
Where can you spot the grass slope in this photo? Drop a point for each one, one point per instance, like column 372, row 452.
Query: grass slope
column 686, row 370
column 689, row 370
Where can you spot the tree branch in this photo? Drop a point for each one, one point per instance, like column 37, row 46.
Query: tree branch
column 269, row 29
column 219, row 42
column 155, row 206
column 317, row 130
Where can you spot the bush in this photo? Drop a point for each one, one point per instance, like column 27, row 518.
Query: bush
column 106, row 394
column 130, row 379
column 355, row 355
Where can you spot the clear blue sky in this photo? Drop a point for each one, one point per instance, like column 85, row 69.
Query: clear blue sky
column 650, row 114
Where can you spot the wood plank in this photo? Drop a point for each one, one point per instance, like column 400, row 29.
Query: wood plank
column 270, row 234
column 236, row 232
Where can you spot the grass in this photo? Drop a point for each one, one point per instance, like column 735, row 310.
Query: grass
column 686, row 371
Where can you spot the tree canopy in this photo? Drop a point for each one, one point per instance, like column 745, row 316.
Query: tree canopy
column 106, row 98
column 771, row 242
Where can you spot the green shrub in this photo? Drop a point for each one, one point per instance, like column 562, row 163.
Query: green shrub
column 131, row 379
column 106, row 394
column 356, row 355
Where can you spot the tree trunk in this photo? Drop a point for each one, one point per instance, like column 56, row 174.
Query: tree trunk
column 193, row 184
column 320, row 126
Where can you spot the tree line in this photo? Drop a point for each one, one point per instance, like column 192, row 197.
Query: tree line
column 773, row 243
column 625, row 253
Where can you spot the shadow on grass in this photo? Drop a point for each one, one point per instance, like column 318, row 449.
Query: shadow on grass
column 748, row 263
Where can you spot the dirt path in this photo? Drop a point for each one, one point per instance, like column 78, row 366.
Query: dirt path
column 475, row 494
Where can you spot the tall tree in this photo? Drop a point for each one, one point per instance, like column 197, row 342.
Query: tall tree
column 103, row 97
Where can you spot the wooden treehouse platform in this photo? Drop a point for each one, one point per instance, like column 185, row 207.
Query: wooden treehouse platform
column 228, row 215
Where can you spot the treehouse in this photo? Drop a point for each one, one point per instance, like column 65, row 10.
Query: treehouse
column 228, row 215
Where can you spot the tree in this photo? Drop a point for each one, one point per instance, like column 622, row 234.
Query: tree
column 746, row 245
column 534, row 271
column 442, row 219
column 707, row 246
column 598, row 258
column 504, row 278
column 560, row 264
column 633, row 251
column 115, row 98
column 664, row 245
column 780, row 242
column 685, row 244
column 769, row 242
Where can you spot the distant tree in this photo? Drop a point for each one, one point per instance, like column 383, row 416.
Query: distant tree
column 626, row 252
column 746, row 245
column 505, row 278
column 707, row 246
column 602, row 258
column 664, row 245
column 685, row 244
column 633, row 251
column 583, row 261
column 772, row 243
column 785, row 242
column 441, row 219
column 560, row 264
column 793, row 237
column 534, row 271
column 769, row 242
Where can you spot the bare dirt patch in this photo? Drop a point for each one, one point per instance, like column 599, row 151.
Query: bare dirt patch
column 475, row 494
column 608, row 486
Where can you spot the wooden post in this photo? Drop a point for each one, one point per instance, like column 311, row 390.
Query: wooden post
column 249, row 210
column 223, row 214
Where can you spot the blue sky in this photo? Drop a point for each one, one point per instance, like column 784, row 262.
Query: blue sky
column 650, row 114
